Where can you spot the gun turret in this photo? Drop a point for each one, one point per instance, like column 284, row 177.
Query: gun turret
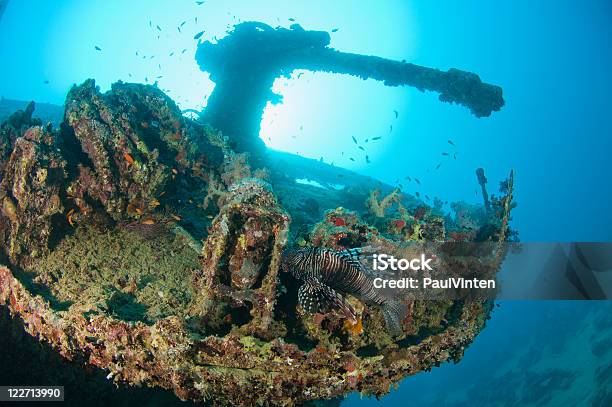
column 245, row 63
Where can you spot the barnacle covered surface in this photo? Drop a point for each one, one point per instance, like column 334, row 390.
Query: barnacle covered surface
column 156, row 249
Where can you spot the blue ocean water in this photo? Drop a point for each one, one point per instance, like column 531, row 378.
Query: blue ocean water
column 544, row 353
column 552, row 59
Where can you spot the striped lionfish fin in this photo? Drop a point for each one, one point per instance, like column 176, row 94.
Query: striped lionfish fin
column 352, row 256
column 316, row 297
column 395, row 312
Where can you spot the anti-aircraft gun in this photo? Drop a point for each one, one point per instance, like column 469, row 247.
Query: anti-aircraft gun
column 245, row 63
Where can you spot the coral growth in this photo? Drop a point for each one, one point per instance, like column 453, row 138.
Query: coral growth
column 232, row 369
column 13, row 128
column 138, row 241
column 120, row 157
column 31, row 195
column 248, row 234
column 378, row 206
column 136, row 141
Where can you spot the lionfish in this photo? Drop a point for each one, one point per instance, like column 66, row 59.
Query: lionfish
column 327, row 274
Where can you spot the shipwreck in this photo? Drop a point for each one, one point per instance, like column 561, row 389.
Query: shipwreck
column 147, row 245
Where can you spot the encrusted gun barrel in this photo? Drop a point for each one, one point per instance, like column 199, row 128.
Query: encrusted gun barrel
column 245, row 64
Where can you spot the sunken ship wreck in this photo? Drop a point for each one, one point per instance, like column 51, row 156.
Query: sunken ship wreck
column 146, row 247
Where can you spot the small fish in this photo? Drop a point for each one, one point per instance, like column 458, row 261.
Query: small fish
column 198, row 35
column 427, row 197
column 184, row 50
column 327, row 273
column 199, row 3
column 46, row 82
column 366, row 140
column 451, row 142
column 334, row 30
column 352, row 159
column 417, row 194
column 172, row 53
column 98, row 48
column 175, row 217
column 179, row 29
column 150, row 23
column 292, row 19
column 417, row 181
column 128, row 158
column 408, row 178
column 438, row 166
column 455, row 156
column 182, row 24
column 376, row 138
column 354, row 139
column 300, row 74
column 130, row 75
column 445, row 154
column 367, row 159
column 361, row 148
column 396, row 113
column 196, row 20
column 390, row 128
column 148, row 222
column 158, row 28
